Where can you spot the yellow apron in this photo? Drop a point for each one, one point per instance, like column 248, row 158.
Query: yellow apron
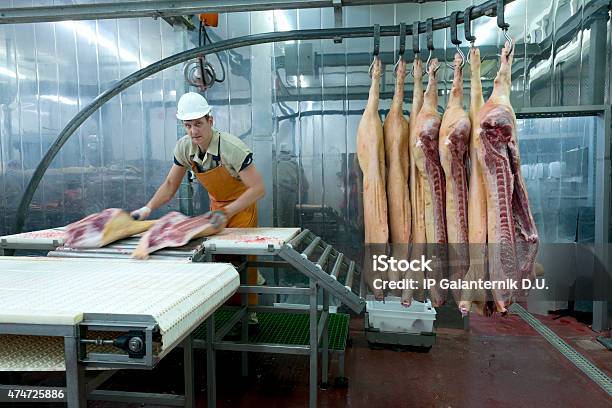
column 223, row 189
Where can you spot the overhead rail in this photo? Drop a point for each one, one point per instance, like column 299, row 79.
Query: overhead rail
column 168, row 8
column 488, row 8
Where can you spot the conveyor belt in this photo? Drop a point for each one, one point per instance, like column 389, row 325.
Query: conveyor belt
column 175, row 296
column 317, row 259
column 303, row 250
column 123, row 250
column 243, row 241
column 303, row 333
column 42, row 236
column 47, row 239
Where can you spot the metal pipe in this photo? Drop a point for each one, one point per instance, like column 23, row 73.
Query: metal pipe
column 323, row 258
column 261, row 348
column 294, row 309
column 296, row 241
column 211, row 376
column 63, row 254
column 337, row 265
column 268, row 264
column 311, row 247
column 95, row 251
column 75, row 374
column 602, row 217
column 188, row 372
column 325, row 338
column 349, row 276
column 322, row 324
column 165, row 8
column 314, row 343
column 273, row 290
column 487, row 8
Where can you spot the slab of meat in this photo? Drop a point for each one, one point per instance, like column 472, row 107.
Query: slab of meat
column 396, row 139
column 427, row 158
column 453, row 144
column 477, row 200
column 417, row 201
column 371, row 156
column 173, row 230
column 416, row 179
column 103, row 228
column 511, row 231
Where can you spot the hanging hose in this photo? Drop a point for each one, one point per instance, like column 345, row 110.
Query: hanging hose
column 200, row 73
column 205, row 67
column 206, row 37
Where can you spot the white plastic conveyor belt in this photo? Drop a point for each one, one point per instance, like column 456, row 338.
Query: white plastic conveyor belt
column 247, row 241
column 46, row 236
column 47, row 239
column 244, row 241
column 176, row 295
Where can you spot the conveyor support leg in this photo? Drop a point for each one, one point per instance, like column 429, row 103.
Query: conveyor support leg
column 314, row 353
column 325, row 341
column 211, row 385
column 188, row 372
column 75, row 381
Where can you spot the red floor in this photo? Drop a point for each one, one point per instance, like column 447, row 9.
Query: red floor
column 501, row 362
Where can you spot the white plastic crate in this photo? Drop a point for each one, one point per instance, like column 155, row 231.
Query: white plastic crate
column 391, row 316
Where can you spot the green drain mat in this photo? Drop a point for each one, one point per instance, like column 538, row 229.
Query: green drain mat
column 285, row 328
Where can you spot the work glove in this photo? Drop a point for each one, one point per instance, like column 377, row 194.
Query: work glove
column 217, row 218
column 141, row 213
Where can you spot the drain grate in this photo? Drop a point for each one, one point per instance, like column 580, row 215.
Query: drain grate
column 572, row 355
column 286, row 328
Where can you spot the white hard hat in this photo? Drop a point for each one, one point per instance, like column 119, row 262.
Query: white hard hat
column 192, row 106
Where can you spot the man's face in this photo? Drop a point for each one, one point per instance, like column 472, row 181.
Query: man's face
column 199, row 130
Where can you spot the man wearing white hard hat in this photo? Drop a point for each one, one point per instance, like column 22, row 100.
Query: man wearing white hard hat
column 222, row 163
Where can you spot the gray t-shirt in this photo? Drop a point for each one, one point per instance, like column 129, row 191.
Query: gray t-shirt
column 235, row 154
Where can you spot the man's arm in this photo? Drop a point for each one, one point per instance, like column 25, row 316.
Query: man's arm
column 252, row 179
column 164, row 193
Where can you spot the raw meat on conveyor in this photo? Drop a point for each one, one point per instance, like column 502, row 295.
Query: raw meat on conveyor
column 103, row 228
column 173, row 230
